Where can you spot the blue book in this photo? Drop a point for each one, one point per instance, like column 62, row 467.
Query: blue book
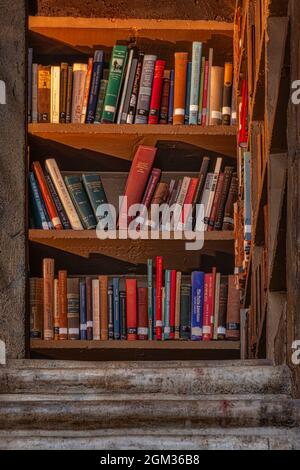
column 247, row 200
column 154, row 311
column 188, row 93
column 39, row 214
column 95, row 86
column 167, row 304
column 195, row 82
column 150, row 298
column 197, row 305
column 117, row 319
column 110, row 306
column 171, row 98
column 83, row 318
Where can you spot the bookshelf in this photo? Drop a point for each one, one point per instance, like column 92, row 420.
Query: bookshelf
column 101, row 148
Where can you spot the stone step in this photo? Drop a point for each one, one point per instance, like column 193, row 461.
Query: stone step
column 177, row 378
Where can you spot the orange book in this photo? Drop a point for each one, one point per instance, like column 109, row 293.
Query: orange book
column 181, row 60
column 48, row 289
column 103, row 281
column 62, row 305
column 87, row 90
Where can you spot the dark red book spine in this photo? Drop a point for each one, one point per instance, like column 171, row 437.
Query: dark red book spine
column 142, row 313
column 164, row 105
column 158, row 300
column 152, row 183
column 208, row 307
column 156, row 91
column 243, row 131
column 189, row 199
column 131, row 309
column 172, row 304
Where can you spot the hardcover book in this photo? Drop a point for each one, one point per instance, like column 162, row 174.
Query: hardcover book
column 185, row 311
column 142, row 331
column 36, row 307
column 44, row 93
column 116, row 73
column 103, row 283
column 195, row 82
column 197, row 305
column 117, row 319
column 79, row 78
column 55, row 94
column 96, row 308
column 144, row 95
column 95, row 86
column 135, row 90
column 83, row 313
column 156, row 91
column 73, row 308
column 80, row 201
column 181, row 60
column 62, row 304
column 131, row 309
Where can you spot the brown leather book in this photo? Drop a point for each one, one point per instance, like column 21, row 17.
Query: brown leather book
column 228, row 221
column 233, row 311
column 181, row 60
column 63, row 92
column 36, row 307
column 223, row 198
column 89, row 308
column 216, row 202
column 48, row 289
column 73, row 308
column 62, row 305
column 159, row 197
column 103, row 282
column 44, row 93
column 164, row 107
column 216, row 96
column 142, row 313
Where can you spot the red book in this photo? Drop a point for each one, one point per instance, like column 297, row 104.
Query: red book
column 147, row 198
column 47, row 196
column 211, row 295
column 131, row 309
column 142, row 313
column 208, row 308
column 243, row 131
column 136, row 181
column 172, row 304
column 216, row 202
column 156, row 91
column 189, row 199
column 158, row 300
column 205, row 93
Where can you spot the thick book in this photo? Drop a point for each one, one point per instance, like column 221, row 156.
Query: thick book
column 96, row 308
column 177, row 305
column 135, row 89
column 59, row 207
column 150, row 297
column 82, row 314
column 172, row 303
column 110, row 307
column 95, row 191
column 36, row 307
column 197, row 305
column 233, row 311
column 188, row 93
column 223, row 197
column 124, row 86
column 73, row 308
column 171, row 98
column 79, row 78
column 95, row 86
column 103, row 284
column 34, row 94
column 142, row 301
column 44, row 93
column 89, row 308
column 29, row 78
column 81, row 201
column 123, row 315
column 62, row 304
column 48, row 298
column 158, row 299
column 210, row 65
column 145, row 90
column 117, row 319
column 55, row 311
column 86, row 93
column 39, row 215
column 156, row 94
column 129, row 85
column 181, row 60
column 136, row 181
column 185, row 311
column 116, row 73
column 201, row 91
column 63, row 92
column 205, row 94
column 164, row 106
column 55, row 94
column 167, row 305
column 216, row 96
column 54, row 217
column 228, row 222
column 195, row 82
column 63, row 194
column 216, row 202
column 131, row 309
column 69, row 95
column 227, row 94
column 101, row 97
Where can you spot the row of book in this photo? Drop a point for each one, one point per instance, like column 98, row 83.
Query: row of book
column 135, row 89
column 206, row 306
column 73, row 201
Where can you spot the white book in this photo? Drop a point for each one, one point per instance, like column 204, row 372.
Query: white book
column 210, row 63
column 79, row 78
column 63, row 194
column 129, row 62
column 55, row 94
column 212, row 191
column 34, row 93
column 217, row 304
column 96, row 308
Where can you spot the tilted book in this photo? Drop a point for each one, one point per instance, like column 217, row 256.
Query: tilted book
column 36, row 204
column 212, row 192
column 59, row 207
column 95, row 192
column 80, row 201
column 129, row 86
column 223, row 197
column 125, row 86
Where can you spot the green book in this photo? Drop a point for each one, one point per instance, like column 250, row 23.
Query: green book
column 101, row 97
column 80, row 201
column 150, row 298
column 116, row 73
column 201, row 90
column 94, row 188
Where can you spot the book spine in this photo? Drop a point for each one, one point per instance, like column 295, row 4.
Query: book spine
column 95, row 85
column 163, row 313
column 80, row 201
column 62, row 305
column 197, row 305
column 103, row 283
column 131, row 309
column 29, row 78
column 59, row 207
column 180, row 200
column 55, row 94
column 210, row 64
column 156, row 91
column 233, row 117
column 166, row 315
column 110, row 299
column 185, row 311
column 227, row 94
column 69, row 94
column 216, row 96
column 142, row 330
column 205, row 94
column 247, row 197
column 73, row 308
column 154, row 312
column 117, row 320
column 212, row 192
column 96, row 308
column 223, row 197
column 95, row 192
column 228, row 222
column 150, row 297
column 89, row 309
column 125, row 85
column 148, row 195
column 171, row 98
column 181, row 60
column 172, row 303
column 201, row 91
column 48, row 300
column 36, row 199
column 36, row 307
column 201, row 182
column 188, row 93
column 46, row 196
column 63, row 92
column 129, row 88
column 216, row 306
column 158, row 300
column 44, row 93
column 56, row 311
column 87, row 86
column 208, row 307
column 100, row 102
column 195, row 82
column 233, row 311
column 83, row 313
column 164, row 107
column 187, row 209
column 177, row 305
column 135, row 90
column 63, row 194
column 243, row 129
column 216, row 203
column 34, row 106
column 79, row 79
column 123, row 314
column 116, row 72
column 144, row 95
